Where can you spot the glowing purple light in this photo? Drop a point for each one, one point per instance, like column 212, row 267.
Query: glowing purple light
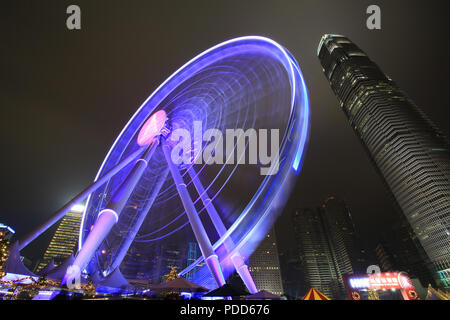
column 260, row 211
column 151, row 128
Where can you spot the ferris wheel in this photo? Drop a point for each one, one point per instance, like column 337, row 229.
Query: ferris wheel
column 174, row 176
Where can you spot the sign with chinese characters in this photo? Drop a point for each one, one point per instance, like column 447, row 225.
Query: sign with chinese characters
column 379, row 281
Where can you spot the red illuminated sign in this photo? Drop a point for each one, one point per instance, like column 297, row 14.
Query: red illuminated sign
column 379, row 281
column 387, row 281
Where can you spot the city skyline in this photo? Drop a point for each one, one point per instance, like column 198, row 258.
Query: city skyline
column 331, row 236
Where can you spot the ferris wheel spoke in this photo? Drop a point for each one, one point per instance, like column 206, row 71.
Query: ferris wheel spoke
column 236, row 259
column 211, row 258
column 80, row 197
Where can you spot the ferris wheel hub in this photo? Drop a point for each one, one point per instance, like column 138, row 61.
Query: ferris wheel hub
column 152, row 128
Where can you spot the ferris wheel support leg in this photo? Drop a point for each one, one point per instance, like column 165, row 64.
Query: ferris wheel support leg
column 80, row 197
column 236, row 259
column 211, row 259
column 109, row 216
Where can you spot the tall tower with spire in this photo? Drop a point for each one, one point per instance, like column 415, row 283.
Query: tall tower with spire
column 410, row 153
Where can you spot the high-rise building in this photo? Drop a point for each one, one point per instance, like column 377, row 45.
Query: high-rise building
column 191, row 257
column 340, row 229
column 326, row 246
column 64, row 241
column 316, row 262
column 264, row 265
column 291, row 271
column 410, row 153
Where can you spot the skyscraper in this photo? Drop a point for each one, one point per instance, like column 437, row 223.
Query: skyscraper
column 64, row 241
column 326, row 246
column 340, row 229
column 291, row 271
column 316, row 262
column 409, row 152
column 191, row 257
column 264, row 265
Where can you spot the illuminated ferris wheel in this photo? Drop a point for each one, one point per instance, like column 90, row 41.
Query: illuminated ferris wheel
column 143, row 200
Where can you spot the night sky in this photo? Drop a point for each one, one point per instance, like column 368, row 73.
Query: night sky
column 65, row 95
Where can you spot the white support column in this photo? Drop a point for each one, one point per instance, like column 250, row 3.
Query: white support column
column 203, row 241
column 80, row 197
column 236, row 259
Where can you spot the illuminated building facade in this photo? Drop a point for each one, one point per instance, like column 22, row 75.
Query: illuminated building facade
column 64, row 241
column 409, row 152
column 325, row 244
column 264, row 265
column 315, row 261
column 322, row 266
column 191, row 257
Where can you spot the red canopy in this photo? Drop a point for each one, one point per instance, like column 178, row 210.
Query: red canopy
column 314, row 294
